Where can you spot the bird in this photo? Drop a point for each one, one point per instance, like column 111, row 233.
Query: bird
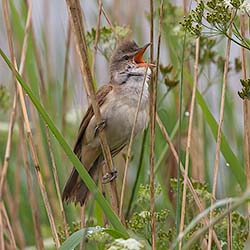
column 118, row 102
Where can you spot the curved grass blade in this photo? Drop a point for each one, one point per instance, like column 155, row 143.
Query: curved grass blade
column 230, row 157
column 112, row 217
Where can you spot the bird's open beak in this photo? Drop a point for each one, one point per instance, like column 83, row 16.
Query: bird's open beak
column 138, row 57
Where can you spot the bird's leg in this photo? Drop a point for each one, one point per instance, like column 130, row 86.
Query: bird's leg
column 99, row 127
column 110, row 176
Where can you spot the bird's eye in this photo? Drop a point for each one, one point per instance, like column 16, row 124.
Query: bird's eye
column 126, row 57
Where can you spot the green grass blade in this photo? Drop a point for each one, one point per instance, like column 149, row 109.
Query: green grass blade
column 230, row 157
column 113, row 219
column 226, row 150
column 74, row 240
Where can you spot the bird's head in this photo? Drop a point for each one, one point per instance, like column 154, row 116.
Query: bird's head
column 127, row 61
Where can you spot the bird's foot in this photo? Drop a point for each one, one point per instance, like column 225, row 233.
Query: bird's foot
column 99, row 127
column 110, row 176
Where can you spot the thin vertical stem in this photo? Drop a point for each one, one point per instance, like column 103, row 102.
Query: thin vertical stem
column 65, row 80
column 152, row 111
column 97, row 35
column 13, row 110
column 2, row 245
column 245, row 113
column 108, row 20
column 229, row 230
column 28, row 128
column 83, row 224
column 218, row 143
column 56, row 179
column 78, row 28
column 185, row 7
column 140, row 165
column 7, row 221
column 189, row 137
column 32, row 199
column 129, row 149
column 189, row 183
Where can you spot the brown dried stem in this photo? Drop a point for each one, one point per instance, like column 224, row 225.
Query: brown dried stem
column 246, row 112
column 129, row 149
column 7, row 221
column 218, row 142
column 229, row 230
column 97, row 36
column 65, row 80
column 2, row 245
column 56, row 179
column 190, row 127
column 108, row 20
column 32, row 199
column 78, row 30
column 152, row 112
column 28, row 129
column 189, row 183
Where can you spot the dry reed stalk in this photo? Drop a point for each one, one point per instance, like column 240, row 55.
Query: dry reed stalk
column 82, row 225
column 245, row 112
column 189, row 183
column 197, row 151
column 8, row 225
column 46, row 171
column 42, row 156
column 38, row 62
column 13, row 110
column 234, row 204
column 219, row 132
column 190, row 127
column 47, row 45
column 2, row 245
column 38, row 137
column 17, row 186
column 108, row 20
column 8, row 146
column 97, row 35
column 28, row 129
column 14, row 213
column 129, row 149
column 31, row 195
column 229, row 230
column 185, row 7
column 80, row 41
column 56, row 179
column 152, row 112
column 65, row 80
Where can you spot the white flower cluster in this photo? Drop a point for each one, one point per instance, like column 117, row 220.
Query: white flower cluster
column 244, row 7
column 129, row 244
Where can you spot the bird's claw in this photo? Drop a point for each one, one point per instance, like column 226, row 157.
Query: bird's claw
column 99, row 127
column 110, row 176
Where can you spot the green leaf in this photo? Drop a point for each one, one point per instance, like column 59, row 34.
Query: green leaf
column 75, row 239
column 114, row 233
column 112, row 217
column 225, row 148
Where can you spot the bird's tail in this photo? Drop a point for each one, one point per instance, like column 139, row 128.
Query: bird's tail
column 75, row 189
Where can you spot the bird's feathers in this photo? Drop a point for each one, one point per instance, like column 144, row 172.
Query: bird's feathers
column 75, row 190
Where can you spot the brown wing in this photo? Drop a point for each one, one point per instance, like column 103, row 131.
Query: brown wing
column 75, row 189
column 101, row 97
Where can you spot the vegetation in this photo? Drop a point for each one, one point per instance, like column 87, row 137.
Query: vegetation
column 199, row 196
